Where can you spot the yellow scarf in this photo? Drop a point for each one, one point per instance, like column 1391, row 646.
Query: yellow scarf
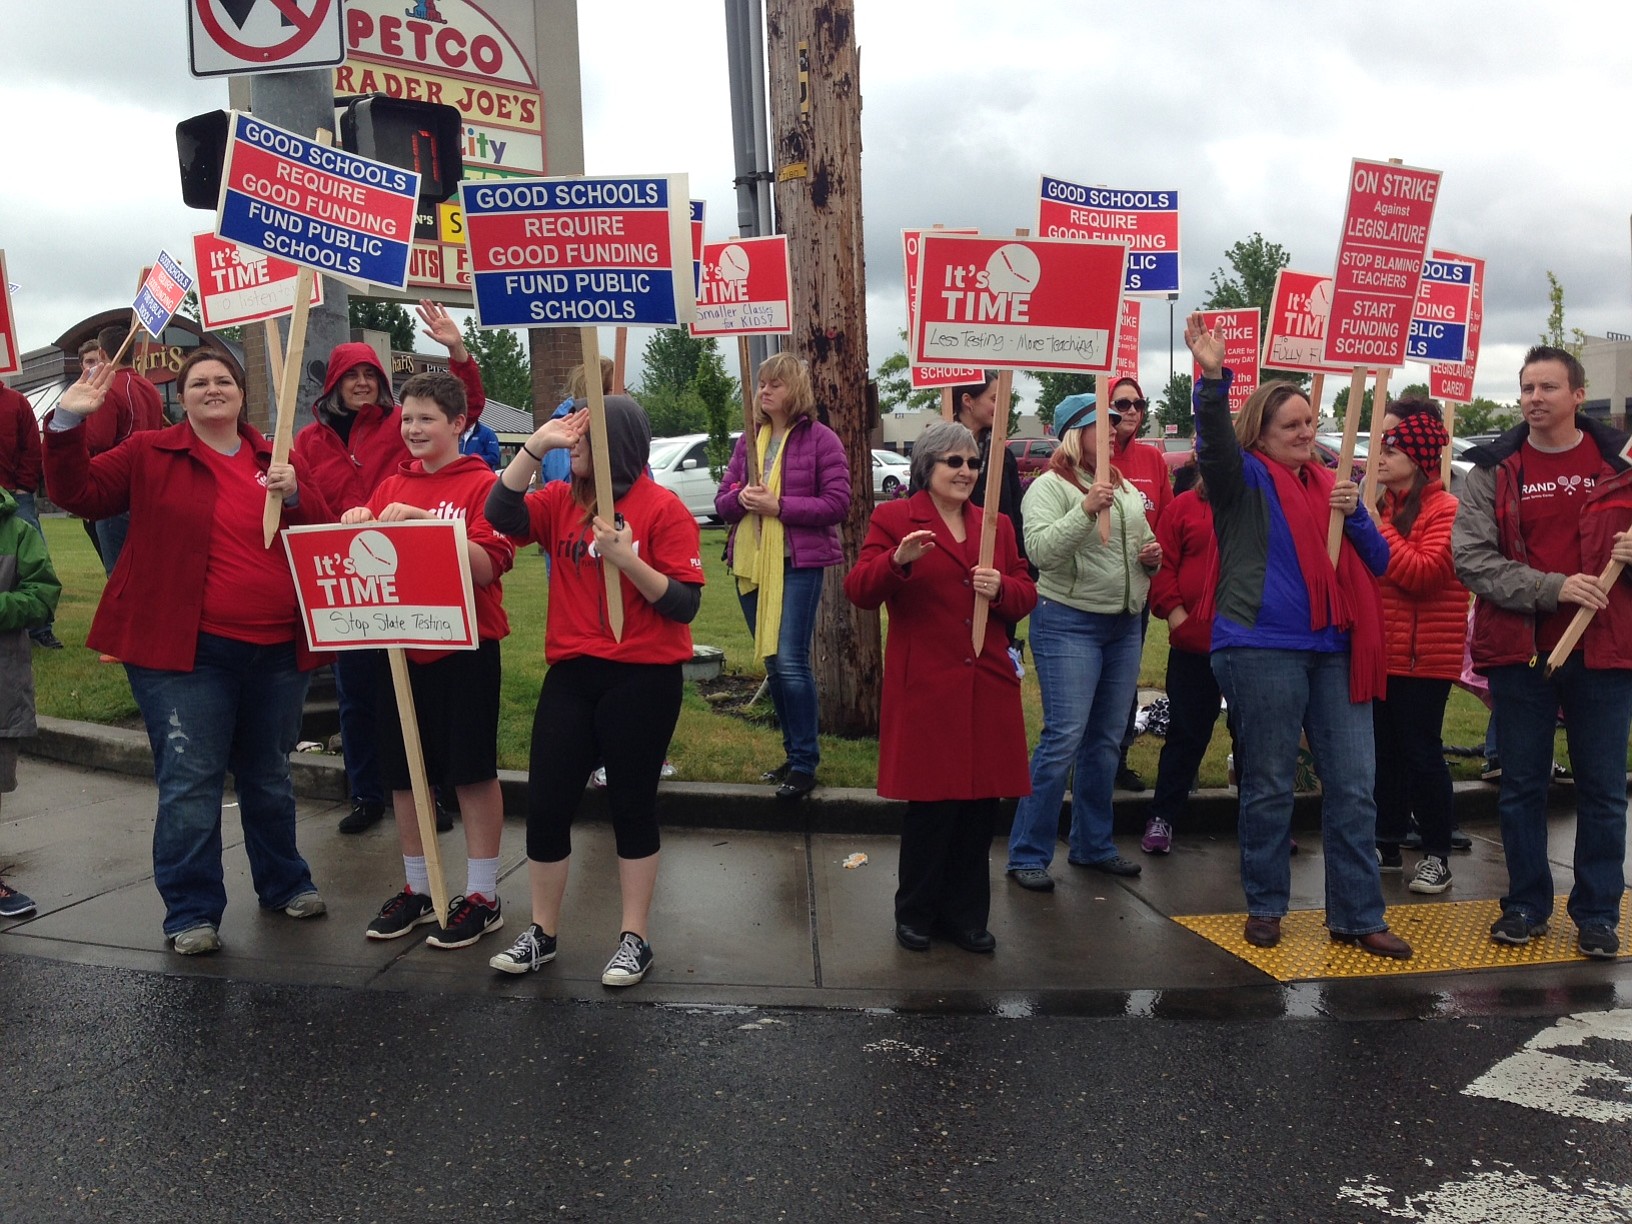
column 757, row 558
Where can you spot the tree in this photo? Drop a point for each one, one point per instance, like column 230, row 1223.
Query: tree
column 1254, row 263
column 506, row 374
column 1054, row 386
column 1340, row 408
column 721, row 398
column 1483, row 416
column 895, row 390
column 671, row 358
column 384, row 316
column 1554, row 335
column 1173, row 408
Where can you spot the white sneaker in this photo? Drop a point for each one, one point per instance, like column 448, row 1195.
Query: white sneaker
column 629, row 963
column 306, row 905
column 197, row 939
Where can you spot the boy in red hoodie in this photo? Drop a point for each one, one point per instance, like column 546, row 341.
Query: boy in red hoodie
column 456, row 693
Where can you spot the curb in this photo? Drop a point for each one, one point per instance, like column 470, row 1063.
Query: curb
column 850, row 811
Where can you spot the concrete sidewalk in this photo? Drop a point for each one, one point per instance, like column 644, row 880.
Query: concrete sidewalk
column 743, row 917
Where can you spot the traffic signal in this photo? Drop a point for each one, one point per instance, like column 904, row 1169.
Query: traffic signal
column 421, row 136
column 201, row 145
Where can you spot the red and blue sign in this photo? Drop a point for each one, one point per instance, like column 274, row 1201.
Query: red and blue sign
column 1439, row 324
column 1147, row 222
column 579, row 252
column 311, row 204
column 166, row 283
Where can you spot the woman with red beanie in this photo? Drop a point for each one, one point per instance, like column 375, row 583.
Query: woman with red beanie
column 355, row 442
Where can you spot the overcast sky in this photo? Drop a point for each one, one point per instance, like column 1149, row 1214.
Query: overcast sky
column 1251, row 110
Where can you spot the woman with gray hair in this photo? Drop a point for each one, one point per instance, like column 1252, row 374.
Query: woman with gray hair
column 952, row 739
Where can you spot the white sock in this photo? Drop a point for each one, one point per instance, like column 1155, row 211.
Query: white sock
column 482, row 876
column 419, row 879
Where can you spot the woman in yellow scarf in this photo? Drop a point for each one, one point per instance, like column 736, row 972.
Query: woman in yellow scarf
column 785, row 508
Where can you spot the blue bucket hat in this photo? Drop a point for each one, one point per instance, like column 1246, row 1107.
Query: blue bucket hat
column 1077, row 412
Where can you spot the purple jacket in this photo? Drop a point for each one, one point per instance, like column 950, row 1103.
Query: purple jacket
column 815, row 493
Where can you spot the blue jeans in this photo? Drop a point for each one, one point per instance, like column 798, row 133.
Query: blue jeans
column 357, row 689
column 793, row 684
column 1088, row 667
column 238, row 709
column 110, row 539
column 1597, row 708
column 29, row 513
column 1276, row 695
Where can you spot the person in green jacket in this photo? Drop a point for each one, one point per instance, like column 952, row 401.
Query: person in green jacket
column 1086, row 642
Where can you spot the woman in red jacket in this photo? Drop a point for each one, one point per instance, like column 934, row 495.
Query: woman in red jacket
column 952, row 740
column 1425, row 615
column 355, row 442
column 204, row 617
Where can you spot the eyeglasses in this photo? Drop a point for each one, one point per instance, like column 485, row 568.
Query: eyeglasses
column 1124, row 405
column 958, row 461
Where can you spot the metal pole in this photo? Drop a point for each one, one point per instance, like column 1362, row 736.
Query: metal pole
column 760, row 347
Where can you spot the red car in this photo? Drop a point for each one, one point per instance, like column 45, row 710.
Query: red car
column 1032, row 454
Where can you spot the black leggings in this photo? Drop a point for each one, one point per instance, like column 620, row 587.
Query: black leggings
column 595, row 711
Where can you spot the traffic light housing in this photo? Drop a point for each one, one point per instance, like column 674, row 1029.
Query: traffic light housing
column 422, row 136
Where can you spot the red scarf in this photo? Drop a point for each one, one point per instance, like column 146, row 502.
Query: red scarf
column 1348, row 598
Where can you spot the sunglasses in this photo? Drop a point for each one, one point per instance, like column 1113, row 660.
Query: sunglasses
column 957, row 461
column 1124, row 405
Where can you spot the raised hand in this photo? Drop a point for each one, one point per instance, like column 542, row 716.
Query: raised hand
column 85, row 396
column 913, row 545
column 439, row 326
column 1205, row 344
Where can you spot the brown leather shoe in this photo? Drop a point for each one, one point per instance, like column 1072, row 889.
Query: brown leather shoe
column 1263, row 932
column 1378, row 943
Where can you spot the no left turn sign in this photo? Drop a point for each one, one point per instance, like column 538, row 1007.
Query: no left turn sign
column 236, row 37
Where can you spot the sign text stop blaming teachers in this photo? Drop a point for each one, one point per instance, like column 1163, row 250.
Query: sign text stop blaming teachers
column 1019, row 304
column 577, row 252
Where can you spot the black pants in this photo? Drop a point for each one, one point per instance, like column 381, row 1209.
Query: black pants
column 593, row 711
column 1411, row 772
column 1131, row 733
column 1192, row 712
column 944, row 873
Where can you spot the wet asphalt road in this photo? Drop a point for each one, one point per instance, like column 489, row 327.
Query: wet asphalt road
column 129, row 1095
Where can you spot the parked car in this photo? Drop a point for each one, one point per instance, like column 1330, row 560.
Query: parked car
column 889, row 473
column 1032, row 454
column 681, row 464
column 1177, row 452
column 1329, row 447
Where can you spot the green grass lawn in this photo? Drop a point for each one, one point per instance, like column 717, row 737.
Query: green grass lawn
column 707, row 745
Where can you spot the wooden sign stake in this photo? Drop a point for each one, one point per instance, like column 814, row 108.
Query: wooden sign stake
column 1449, row 410
column 994, row 497
column 424, row 804
column 946, row 404
column 1379, row 409
column 274, row 357
column 620, row 354
column 601, row 456
column 1345, row 462
column 750, row 434
column 1581, row 619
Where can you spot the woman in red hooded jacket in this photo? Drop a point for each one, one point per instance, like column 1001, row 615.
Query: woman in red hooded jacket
column 354, row 443
column 1425, row 617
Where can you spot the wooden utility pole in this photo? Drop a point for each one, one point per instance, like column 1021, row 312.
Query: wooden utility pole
column 815, row 108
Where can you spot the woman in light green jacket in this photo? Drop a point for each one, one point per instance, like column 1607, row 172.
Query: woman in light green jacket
column 1086, row 642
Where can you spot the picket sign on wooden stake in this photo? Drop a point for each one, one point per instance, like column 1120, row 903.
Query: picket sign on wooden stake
column 1345, row 460
column 1379, row 409
column 1582, row 618
column 994, row 498
column 424, row 804
column 946, row 404
column 620, row 355
column 274, row 357
column 601, row 456
column 1449, row 410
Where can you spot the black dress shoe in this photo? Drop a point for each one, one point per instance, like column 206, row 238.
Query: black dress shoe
column 363, row 816
column 444, row 817
column 777, row 774
column 46, row 640
column 980, row 940
column 796, row 785
column 911, row 938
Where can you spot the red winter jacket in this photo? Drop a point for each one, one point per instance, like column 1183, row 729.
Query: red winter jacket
column 349, row 470
column 1189, row 573
column 136, row 393
column 151, row 607
column 1425, row 607
column 19, row 443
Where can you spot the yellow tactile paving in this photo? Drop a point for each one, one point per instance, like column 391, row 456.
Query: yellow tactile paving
column 1445, row 936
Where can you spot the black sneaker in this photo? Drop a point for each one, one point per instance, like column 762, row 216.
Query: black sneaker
column 629, row 963
column 1433, row 876
column 362, row 817
column 468, row 920
column 401, row 914
column 1515, row 929
column 1389, row 860
column 1460, row 840
column 1598, row 940
column 444, row 817
column 1129, row 780
column 46, row 640
column 532, row 950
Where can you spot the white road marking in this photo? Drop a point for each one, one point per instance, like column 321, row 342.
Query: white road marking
column 1539, row 1078
column 1497, row 1198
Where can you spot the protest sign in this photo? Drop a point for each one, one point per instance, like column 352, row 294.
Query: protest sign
column 1295, row 332
column 1018, row 303
column 745, row 288
column 1439, row 322
column 923, row 377
column 165, row 284
column 1379, row 260
column 1127, row 343
column 237, row 285
column 320, row 207
column 699, row 209
column 1146, row 222
column 1238, row 329
column 1453, row 382
column 9, row 349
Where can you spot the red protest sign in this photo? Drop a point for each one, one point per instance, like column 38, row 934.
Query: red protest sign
column 1295, row 333
column 1127, row 343
column 9, row 363
column 921, row 376
column 1379, row 261
column 1453, row 381
column 699, row 209
column 1238, row 329
column 237, row 285
column 745, row 288
column 377, row 584
column 1146, row 222
column 1018, row 303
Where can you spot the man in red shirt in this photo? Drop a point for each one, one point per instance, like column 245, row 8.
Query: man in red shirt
column 133, row 403
column 20, row 475
column 1545, row 507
